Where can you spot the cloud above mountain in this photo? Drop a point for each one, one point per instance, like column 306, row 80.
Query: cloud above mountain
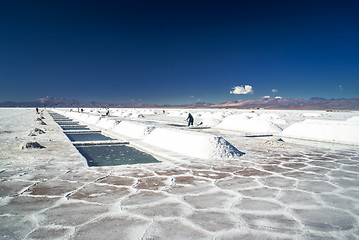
column 247, row 89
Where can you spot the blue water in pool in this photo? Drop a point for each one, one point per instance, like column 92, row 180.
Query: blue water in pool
column 114, row 155
column 75, row 137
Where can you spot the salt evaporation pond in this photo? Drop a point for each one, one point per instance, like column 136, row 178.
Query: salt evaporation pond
column 276, row 190
column 105, row 155
column 114, row 155
column 74, row 137
column 75, row 128
column 67, row 123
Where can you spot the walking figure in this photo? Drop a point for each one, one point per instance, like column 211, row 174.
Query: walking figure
column 190, row 119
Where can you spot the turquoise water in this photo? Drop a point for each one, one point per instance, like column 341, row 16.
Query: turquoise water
column 114, row 155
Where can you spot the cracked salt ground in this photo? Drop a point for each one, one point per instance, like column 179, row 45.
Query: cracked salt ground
column 291, row 192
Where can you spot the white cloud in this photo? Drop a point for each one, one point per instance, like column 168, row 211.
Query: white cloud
column 340, row 87
column 247, row 89
column 274, row 90
column 266, row 97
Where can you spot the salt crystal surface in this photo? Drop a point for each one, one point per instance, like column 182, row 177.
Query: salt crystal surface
column 260, row 126
column 286, row 191
column 325, row 130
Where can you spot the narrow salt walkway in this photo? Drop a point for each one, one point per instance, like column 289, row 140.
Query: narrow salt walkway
column 275, row 191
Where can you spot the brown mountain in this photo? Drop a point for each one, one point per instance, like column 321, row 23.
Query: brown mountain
column 289, row 103
column 267, row 103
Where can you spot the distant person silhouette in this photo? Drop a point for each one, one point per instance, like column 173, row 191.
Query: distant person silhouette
column 190, row 119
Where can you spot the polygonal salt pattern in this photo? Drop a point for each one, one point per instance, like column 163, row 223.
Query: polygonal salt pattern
column 288, row 192
column 153, row 183
column 279, row 182
column 28, row 204
column 207, row 200
column 100, row 194
column 71, row 214
column 298, row 198
column 144, row 197
column 214, row 221
column 117, row 181
column 238, row 183
column 15, row 227
column 263, row 192
column 326, row 219
column 51, row 232
column 53, row 188
column 275, row 222
column 316, row 186
column 113, row 227
column 175, row 229
column 162, row 209
column 13, row 187
column 248, row 204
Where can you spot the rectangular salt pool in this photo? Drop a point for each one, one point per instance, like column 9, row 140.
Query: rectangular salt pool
column 97, row 156
column 62, row 119
column 75, row 128
column 67, row 123
column 75, row 137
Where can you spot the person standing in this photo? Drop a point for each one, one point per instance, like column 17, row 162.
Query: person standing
column 190, row 119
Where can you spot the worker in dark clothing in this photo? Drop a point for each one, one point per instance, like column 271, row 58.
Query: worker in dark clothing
column 190, row 119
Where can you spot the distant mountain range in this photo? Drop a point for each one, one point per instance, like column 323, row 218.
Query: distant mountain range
column 289, row 103
column 267, row 103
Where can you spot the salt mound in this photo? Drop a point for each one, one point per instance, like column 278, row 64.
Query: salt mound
column 353, row 119
column 311, row 115
column 27, row 145
column 324, row 130
column 280, row 121
column 36, row 131
column 39, row 121
column 238, row 116
column 210, row 122
column 133, row 129
column 93, row 119
column 106, row 123
column 249, row 125
column 268, row 116
column 250, row 114
column 193, row 144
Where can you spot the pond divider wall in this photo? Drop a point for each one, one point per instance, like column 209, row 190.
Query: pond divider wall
column 182, row 142
column 100, row 150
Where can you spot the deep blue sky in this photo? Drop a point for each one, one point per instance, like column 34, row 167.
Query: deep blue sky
column 178, row 51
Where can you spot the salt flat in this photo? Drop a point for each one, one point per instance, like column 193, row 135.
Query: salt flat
column 291, row 189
